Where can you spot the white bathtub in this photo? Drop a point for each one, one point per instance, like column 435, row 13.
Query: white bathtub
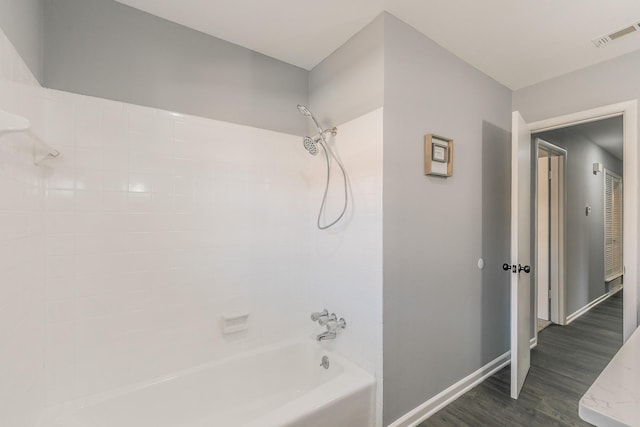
column 278, row 386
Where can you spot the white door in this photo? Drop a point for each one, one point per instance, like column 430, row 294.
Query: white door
column 520, row 252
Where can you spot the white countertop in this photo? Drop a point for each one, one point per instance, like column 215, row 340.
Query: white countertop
column 613, row 400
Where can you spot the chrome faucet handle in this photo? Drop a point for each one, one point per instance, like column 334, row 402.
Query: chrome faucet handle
column 316, row 316
column 334, row 324
column 325, row 320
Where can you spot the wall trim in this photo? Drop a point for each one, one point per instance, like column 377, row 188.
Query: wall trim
column 445, row 397
column 586, row 308
column 442, row 399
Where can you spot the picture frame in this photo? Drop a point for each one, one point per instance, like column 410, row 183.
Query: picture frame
column 438, row 155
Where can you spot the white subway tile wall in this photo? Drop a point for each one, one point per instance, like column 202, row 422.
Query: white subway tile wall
column 22, row 253
column 157, row 224
column 119, row 259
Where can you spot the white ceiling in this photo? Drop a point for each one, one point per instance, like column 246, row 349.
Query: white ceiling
column 517, row 42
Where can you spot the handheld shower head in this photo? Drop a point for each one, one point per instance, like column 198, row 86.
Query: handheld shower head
column 304, row 110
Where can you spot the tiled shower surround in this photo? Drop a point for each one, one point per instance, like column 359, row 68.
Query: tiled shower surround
column 119, row 259
column 156, row 225
column 22, row 256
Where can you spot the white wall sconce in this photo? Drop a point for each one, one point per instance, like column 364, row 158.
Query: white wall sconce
column 597, row 168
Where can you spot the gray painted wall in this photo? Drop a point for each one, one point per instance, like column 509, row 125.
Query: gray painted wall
column 441, row 321
column 350, row 81
column 21, row 21
column 105, row 49
column 496, row 236
column 585, row 234
column 606, row 83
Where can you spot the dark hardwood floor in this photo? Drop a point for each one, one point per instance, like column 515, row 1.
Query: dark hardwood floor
column 563, row 366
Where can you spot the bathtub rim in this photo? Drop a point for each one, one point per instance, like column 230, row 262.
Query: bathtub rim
column 351, row 369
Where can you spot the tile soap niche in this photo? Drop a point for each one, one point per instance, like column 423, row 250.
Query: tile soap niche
column 234, row 322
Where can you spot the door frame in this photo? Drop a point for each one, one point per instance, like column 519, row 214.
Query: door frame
column 629, row 111
column 557, row 307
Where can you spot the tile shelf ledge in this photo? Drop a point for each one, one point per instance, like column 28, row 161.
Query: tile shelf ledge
column 12, row 123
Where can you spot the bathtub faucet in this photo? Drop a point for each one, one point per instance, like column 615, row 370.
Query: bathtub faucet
column 333, row 326
column 327, row 335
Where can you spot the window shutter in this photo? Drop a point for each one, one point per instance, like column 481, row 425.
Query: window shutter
column 612, row 226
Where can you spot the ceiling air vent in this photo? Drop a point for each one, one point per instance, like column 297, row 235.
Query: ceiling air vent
column 608, row 38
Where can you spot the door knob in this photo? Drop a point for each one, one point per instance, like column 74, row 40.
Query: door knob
column 509, row 267
column 518, row 269
column 525, row 268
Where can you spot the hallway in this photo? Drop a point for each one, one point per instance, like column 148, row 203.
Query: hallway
column 564, row 364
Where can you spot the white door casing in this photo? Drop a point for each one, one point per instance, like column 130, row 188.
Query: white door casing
column 521, row 138
column 629, row 111
column 557, row 255
column 542, row 258
column 555, row 269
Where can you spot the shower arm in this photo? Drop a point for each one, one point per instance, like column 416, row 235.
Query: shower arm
column 333, row 131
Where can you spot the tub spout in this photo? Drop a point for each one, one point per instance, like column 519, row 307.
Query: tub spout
column 328, row 335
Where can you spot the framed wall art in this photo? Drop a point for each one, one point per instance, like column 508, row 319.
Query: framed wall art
column 438, row 155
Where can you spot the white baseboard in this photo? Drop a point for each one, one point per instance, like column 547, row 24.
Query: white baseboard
column 442, row 399
column 586, row 308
